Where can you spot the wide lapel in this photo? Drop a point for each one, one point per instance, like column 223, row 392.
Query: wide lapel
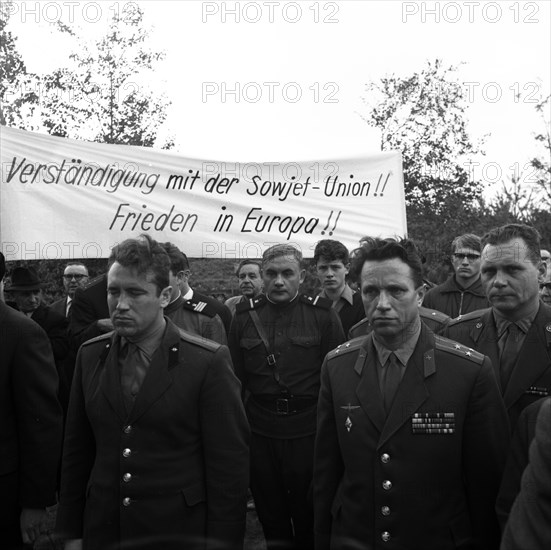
column 533, row 359
column 367, row 391
column 158, row 378
column 412, row 392
column 110, row 376
column 484, row 335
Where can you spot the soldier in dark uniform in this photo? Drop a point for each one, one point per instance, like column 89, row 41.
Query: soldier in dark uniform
column 156, row 443
column 412, row 433
column 435, row 320
column 278, row 341
column 193, row 315
column 515, row 332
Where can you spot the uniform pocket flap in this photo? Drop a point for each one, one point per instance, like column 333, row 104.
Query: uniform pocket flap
column 249, row 343
column 194, row 494
column 305, row 341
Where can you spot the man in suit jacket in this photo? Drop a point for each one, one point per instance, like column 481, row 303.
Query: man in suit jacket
column 412, row 433
column 156, row 445
column 515, row 333
column 30, row 424
column 75, row 276
column 529, row 525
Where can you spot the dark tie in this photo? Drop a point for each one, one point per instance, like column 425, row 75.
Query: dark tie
column 129, row 380
column 392, row 379
column 509, row 354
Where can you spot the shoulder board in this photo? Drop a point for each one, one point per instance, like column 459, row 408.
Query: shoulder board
column 361, row 328
column 347, row 347
column 198, row 306
column 450, row 346
column 198, row 340
column 253, row 303
column 468, row 317
column 97, row 279
column 101, row 338
column 317, row 301
column 427, row 313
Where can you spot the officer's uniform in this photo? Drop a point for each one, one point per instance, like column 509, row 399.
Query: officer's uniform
column 172, row 472
column 423, row 477
column 198, row 317
column 282, row 415
column 435, row 320
column 531, row 376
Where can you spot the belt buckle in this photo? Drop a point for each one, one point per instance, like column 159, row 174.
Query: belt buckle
column 282, row 406
column 271, row 359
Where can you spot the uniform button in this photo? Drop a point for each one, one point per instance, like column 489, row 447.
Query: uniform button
column 385, row 458
column 127, row 477
column 127, row 429
column 126, row 501
column 126, row 453
column 387, row 485
column 385, row 536
column 385, row 510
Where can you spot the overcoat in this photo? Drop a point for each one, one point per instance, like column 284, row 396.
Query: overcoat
column 426, row 476
column 531, row 376
column 170, row 473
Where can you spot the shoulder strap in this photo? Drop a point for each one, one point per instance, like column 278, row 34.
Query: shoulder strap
column 270, row 358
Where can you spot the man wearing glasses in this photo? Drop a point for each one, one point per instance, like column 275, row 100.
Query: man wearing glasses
column 462, row 292
column 75, row 276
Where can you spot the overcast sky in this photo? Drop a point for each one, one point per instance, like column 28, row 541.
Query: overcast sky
column 298, row 69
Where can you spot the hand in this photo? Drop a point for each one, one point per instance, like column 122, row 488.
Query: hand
column 73, row 544
column 105, row 325
column 31, row 522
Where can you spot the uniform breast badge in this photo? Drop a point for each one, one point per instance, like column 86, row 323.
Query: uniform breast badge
column 349, row 408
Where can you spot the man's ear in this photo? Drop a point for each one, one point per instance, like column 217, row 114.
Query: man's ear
column 165, row 296
column 302, row 275
column 542, row 271
column 421, row 291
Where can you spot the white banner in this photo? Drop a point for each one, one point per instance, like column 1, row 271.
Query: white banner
column 61, row 198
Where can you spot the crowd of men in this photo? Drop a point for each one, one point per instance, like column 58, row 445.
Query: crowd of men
column 384, row 417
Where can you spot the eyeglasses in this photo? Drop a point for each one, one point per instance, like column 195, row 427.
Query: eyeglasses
column 76, row 276
column 470, row 257
column 545, row 285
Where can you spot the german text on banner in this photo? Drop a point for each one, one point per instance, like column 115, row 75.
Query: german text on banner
column 61, row 198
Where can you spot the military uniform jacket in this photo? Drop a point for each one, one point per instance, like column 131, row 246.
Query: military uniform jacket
column 531, row 376
column 173, row 472
column 300, row 334
column 425, row 477
column 197, row 317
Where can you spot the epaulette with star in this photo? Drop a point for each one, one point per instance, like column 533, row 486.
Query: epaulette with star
column 252, row 303
column 347, row 347
column 317, row 301
column 468, row 317
column 100, row 338
column 434, row 314
column 198, row 306
column 450, row 346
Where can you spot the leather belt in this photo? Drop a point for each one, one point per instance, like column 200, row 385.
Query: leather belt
column 284, row 405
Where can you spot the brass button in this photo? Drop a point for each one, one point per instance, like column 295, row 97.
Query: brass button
column 127, row 477
column 385, row 458
column 387, row 485
column 385, row 510
column 385, row 536
column 126, row 501
column 126, row 453
column 127, row 429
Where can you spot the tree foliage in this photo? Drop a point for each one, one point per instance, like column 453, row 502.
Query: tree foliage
column 423, row 116
column 102, row 93
column 542, row 163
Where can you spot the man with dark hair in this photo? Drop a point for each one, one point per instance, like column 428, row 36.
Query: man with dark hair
column 249, row 275
column 462, row 292
column 192, row 315
column 156, row 443
column 31, row 425
column 412, row 432
column 278, row 341
column 75, row 276
column 332, row 265
column 515, row 332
